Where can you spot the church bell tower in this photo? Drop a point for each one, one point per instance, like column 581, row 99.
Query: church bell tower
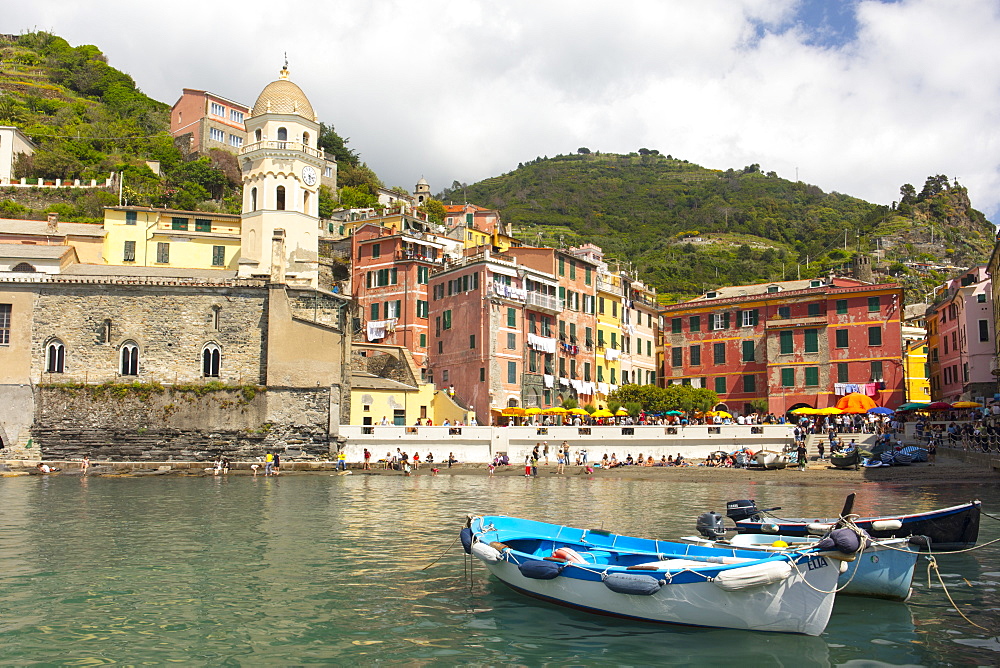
column 281, row 167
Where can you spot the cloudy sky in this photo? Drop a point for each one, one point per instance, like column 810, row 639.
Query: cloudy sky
column 854, row 96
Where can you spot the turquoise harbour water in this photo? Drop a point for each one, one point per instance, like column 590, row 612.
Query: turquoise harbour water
column 323, row 569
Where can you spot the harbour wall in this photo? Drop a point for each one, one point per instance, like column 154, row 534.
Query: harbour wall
column 481, row 444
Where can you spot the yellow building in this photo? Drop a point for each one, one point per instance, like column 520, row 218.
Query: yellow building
column 385, row 389
column 918, row 385
column 609, row 332
column 145, row 237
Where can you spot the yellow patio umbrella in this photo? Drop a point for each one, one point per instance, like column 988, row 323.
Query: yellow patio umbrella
column 805, row 410
column 578, row 411
column 721, row 414
column 966, row 404
column 829, row 410
column 534, row 410
column 512, row 410
column 603, row 413
column 621, row 412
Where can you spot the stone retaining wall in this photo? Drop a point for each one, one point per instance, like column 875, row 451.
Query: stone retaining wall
column 182, row 425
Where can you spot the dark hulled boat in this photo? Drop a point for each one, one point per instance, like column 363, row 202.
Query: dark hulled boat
column 947, row 529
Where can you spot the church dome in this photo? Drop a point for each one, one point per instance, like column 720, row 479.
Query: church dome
column 283, row 97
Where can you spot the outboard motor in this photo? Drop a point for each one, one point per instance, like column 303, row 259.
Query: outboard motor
column 710, row 525
column 740, row 510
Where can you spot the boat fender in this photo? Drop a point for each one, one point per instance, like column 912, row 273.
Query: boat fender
column 466, row 536
column 770, row 528
column 633, row 583
column 843, row 540
column 498, row 546
column 819, row 528
column 843, row 566
column 485, row 552
column 569, row 554
column 886, row 525
column 541, row 570
column 757, row 575
column 920, row 541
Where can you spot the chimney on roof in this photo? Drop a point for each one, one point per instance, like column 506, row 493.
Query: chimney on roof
column 53, row 223
column 278, row 257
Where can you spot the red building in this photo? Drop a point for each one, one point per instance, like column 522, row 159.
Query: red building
column 390, row 273
column 792, row 343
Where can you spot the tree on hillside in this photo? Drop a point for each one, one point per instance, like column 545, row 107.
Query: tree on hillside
column 583, row 150
column 434, row 209
column 331, row 142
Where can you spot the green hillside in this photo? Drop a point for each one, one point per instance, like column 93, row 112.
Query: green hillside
column 748, row 226
column 89, row 120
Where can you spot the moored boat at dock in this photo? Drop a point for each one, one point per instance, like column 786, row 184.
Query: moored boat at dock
column 947, row 529
column 657, row 581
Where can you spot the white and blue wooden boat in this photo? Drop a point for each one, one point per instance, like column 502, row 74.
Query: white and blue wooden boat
column 883, row 569
column 657, row 581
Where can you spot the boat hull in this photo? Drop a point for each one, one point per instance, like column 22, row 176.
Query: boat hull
column 691, row 596
column 883, row 570
column 948, row 529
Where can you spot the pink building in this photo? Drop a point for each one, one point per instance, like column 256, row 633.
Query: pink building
column 210, row 120
column 960, row 329
column 515, row 329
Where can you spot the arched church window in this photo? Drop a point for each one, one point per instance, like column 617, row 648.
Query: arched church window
column 211, row 357
column 253, row 199
column 305, row 202
column 23, row 266
column 305, row 138
column 280, row 205
column 256, row 135
column 282, row 134
column 129, row 359
column 55, row 356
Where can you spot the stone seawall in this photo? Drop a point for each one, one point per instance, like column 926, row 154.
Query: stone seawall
column 152, row 423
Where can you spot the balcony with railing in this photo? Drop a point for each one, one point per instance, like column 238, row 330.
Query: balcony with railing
column 275, row 145
column 608, row 286
column 543, row 302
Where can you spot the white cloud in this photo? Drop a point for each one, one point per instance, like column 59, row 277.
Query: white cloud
column 462, row 89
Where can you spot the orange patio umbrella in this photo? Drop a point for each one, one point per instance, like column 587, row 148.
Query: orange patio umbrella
column 855, row 403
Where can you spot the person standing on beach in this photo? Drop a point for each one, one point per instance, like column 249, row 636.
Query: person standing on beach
column 342, row 459
column 368, row 458
column 268, row 463
column 801, row 450
column 277, row 463
column 527, row 466
column 85, row 465
column 545, row 452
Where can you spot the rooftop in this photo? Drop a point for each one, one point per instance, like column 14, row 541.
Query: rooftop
column 33, row 251
column 41, row 228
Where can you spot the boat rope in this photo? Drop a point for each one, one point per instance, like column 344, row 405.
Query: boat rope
column 795, row 565
column 992, row 517
column 949, row 552
column 443, row 553
column 932, row 565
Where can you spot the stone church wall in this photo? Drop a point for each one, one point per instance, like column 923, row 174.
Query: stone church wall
column 170, row 324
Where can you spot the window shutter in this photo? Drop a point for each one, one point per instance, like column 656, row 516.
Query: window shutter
column 725, row 320
column 754, row 314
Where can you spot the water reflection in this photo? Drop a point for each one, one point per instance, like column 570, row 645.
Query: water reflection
column 331, row 569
